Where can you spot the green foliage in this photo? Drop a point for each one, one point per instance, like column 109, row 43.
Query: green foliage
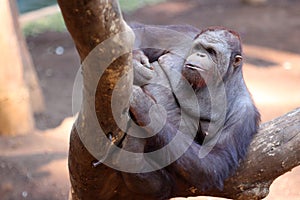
column 131, row 5
column 30, row 5
column 49, row 23
column 55, row 22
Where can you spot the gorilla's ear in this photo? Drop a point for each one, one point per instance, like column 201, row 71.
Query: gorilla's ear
column 237, row 60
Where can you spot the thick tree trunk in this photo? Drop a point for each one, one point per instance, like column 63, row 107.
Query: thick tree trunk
column 274, row 151
column 15, row 109
column 101, row 36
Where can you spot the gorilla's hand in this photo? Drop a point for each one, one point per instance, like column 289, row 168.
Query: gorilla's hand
column 140, row 106
column 143, row 71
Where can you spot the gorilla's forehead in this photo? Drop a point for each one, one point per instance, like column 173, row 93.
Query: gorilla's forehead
column 222, row 39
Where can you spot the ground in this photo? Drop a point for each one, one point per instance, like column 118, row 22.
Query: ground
column 35, row 166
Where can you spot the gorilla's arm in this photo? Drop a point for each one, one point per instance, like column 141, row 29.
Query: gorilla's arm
column 154, row 41
column 156, row 184
column 202, row 173
column 223, row 157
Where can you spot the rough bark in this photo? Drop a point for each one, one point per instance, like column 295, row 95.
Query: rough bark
column 15, row 109
column 274, row 151
column 101, row 36
column 99, row 22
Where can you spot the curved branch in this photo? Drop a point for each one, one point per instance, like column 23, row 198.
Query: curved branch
column 104, row 42
column 88, row 20
column 274, row 151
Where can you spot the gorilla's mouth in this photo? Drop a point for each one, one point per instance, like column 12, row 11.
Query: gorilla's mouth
column 194, row 67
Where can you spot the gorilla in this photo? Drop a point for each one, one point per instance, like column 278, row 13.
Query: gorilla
column 193, row 89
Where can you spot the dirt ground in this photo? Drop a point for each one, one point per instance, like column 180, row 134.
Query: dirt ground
column 35, row 166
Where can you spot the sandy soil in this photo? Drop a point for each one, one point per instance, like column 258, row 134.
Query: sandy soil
column 35, row 166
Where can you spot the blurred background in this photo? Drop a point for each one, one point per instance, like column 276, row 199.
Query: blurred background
column 31, row 5
column 33, row 163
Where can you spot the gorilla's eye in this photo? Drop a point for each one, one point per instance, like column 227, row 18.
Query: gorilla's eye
column 211, row 51
column 237, row 60
column 198, row 47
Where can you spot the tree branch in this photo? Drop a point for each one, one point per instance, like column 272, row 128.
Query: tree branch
column 274, row 151
column 104, row 43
